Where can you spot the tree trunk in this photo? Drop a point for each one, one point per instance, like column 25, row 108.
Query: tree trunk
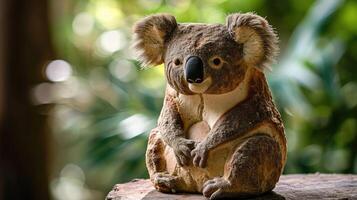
column 25, row 48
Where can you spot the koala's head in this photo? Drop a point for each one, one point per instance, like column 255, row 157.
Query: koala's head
column 206, row 58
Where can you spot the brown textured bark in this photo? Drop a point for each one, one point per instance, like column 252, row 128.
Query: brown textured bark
column 2, row 39
column 25, row 48
column 292, row 187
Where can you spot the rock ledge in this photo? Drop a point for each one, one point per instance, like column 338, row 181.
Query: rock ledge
column 294, row 187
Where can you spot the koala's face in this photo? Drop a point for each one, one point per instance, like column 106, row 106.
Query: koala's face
column 201, row 58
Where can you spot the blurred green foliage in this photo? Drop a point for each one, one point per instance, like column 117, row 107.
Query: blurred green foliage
column 105, row 108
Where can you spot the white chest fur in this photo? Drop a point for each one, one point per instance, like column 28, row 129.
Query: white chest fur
column 216, row 105
column 209, row 107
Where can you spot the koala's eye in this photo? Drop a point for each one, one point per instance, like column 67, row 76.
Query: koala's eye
column 216, row 62
column 177, row 62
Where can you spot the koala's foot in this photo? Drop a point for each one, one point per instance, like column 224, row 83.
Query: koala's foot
column 164, row 182
column 213, row 189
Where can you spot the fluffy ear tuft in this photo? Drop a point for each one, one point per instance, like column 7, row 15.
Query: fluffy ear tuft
column 150, row 35
column 260, row 43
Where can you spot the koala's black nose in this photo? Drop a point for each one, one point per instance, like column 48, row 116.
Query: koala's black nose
column 194, row 70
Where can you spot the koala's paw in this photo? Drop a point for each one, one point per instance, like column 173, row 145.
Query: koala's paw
column 200, row 154
column 182, row 151
column 165, row 182
column 213, row 189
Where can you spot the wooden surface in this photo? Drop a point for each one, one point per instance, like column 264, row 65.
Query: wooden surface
column 309, row 186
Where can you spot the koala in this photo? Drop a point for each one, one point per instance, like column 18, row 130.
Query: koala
column 219, row 132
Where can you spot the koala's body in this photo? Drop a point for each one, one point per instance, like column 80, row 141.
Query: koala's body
column 219, row 132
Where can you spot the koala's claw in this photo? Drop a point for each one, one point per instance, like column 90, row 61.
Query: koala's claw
column 199, row 155
column 181, row 159
column 213, row 188
column 183, row 151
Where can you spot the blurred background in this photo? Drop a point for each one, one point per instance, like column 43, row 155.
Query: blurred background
column 75, row 107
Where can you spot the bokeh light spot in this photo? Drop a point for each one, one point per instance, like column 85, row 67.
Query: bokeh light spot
column 83, row 24
column 42, row 93
column 111, row 41
column 107, row 12
column 123, row 70
column 58, row 70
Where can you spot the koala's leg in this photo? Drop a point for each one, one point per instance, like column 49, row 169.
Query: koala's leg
column 254, row 168
column 155, row 162
column 156, row 165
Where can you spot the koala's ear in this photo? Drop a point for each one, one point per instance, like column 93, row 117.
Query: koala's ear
column 150, row 35
column 260, row 43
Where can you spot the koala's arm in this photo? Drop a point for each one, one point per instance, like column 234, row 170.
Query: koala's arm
column 241, row 119
column 170, row 123
column 227, row 130
column 171, row 128
column 230, row 126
